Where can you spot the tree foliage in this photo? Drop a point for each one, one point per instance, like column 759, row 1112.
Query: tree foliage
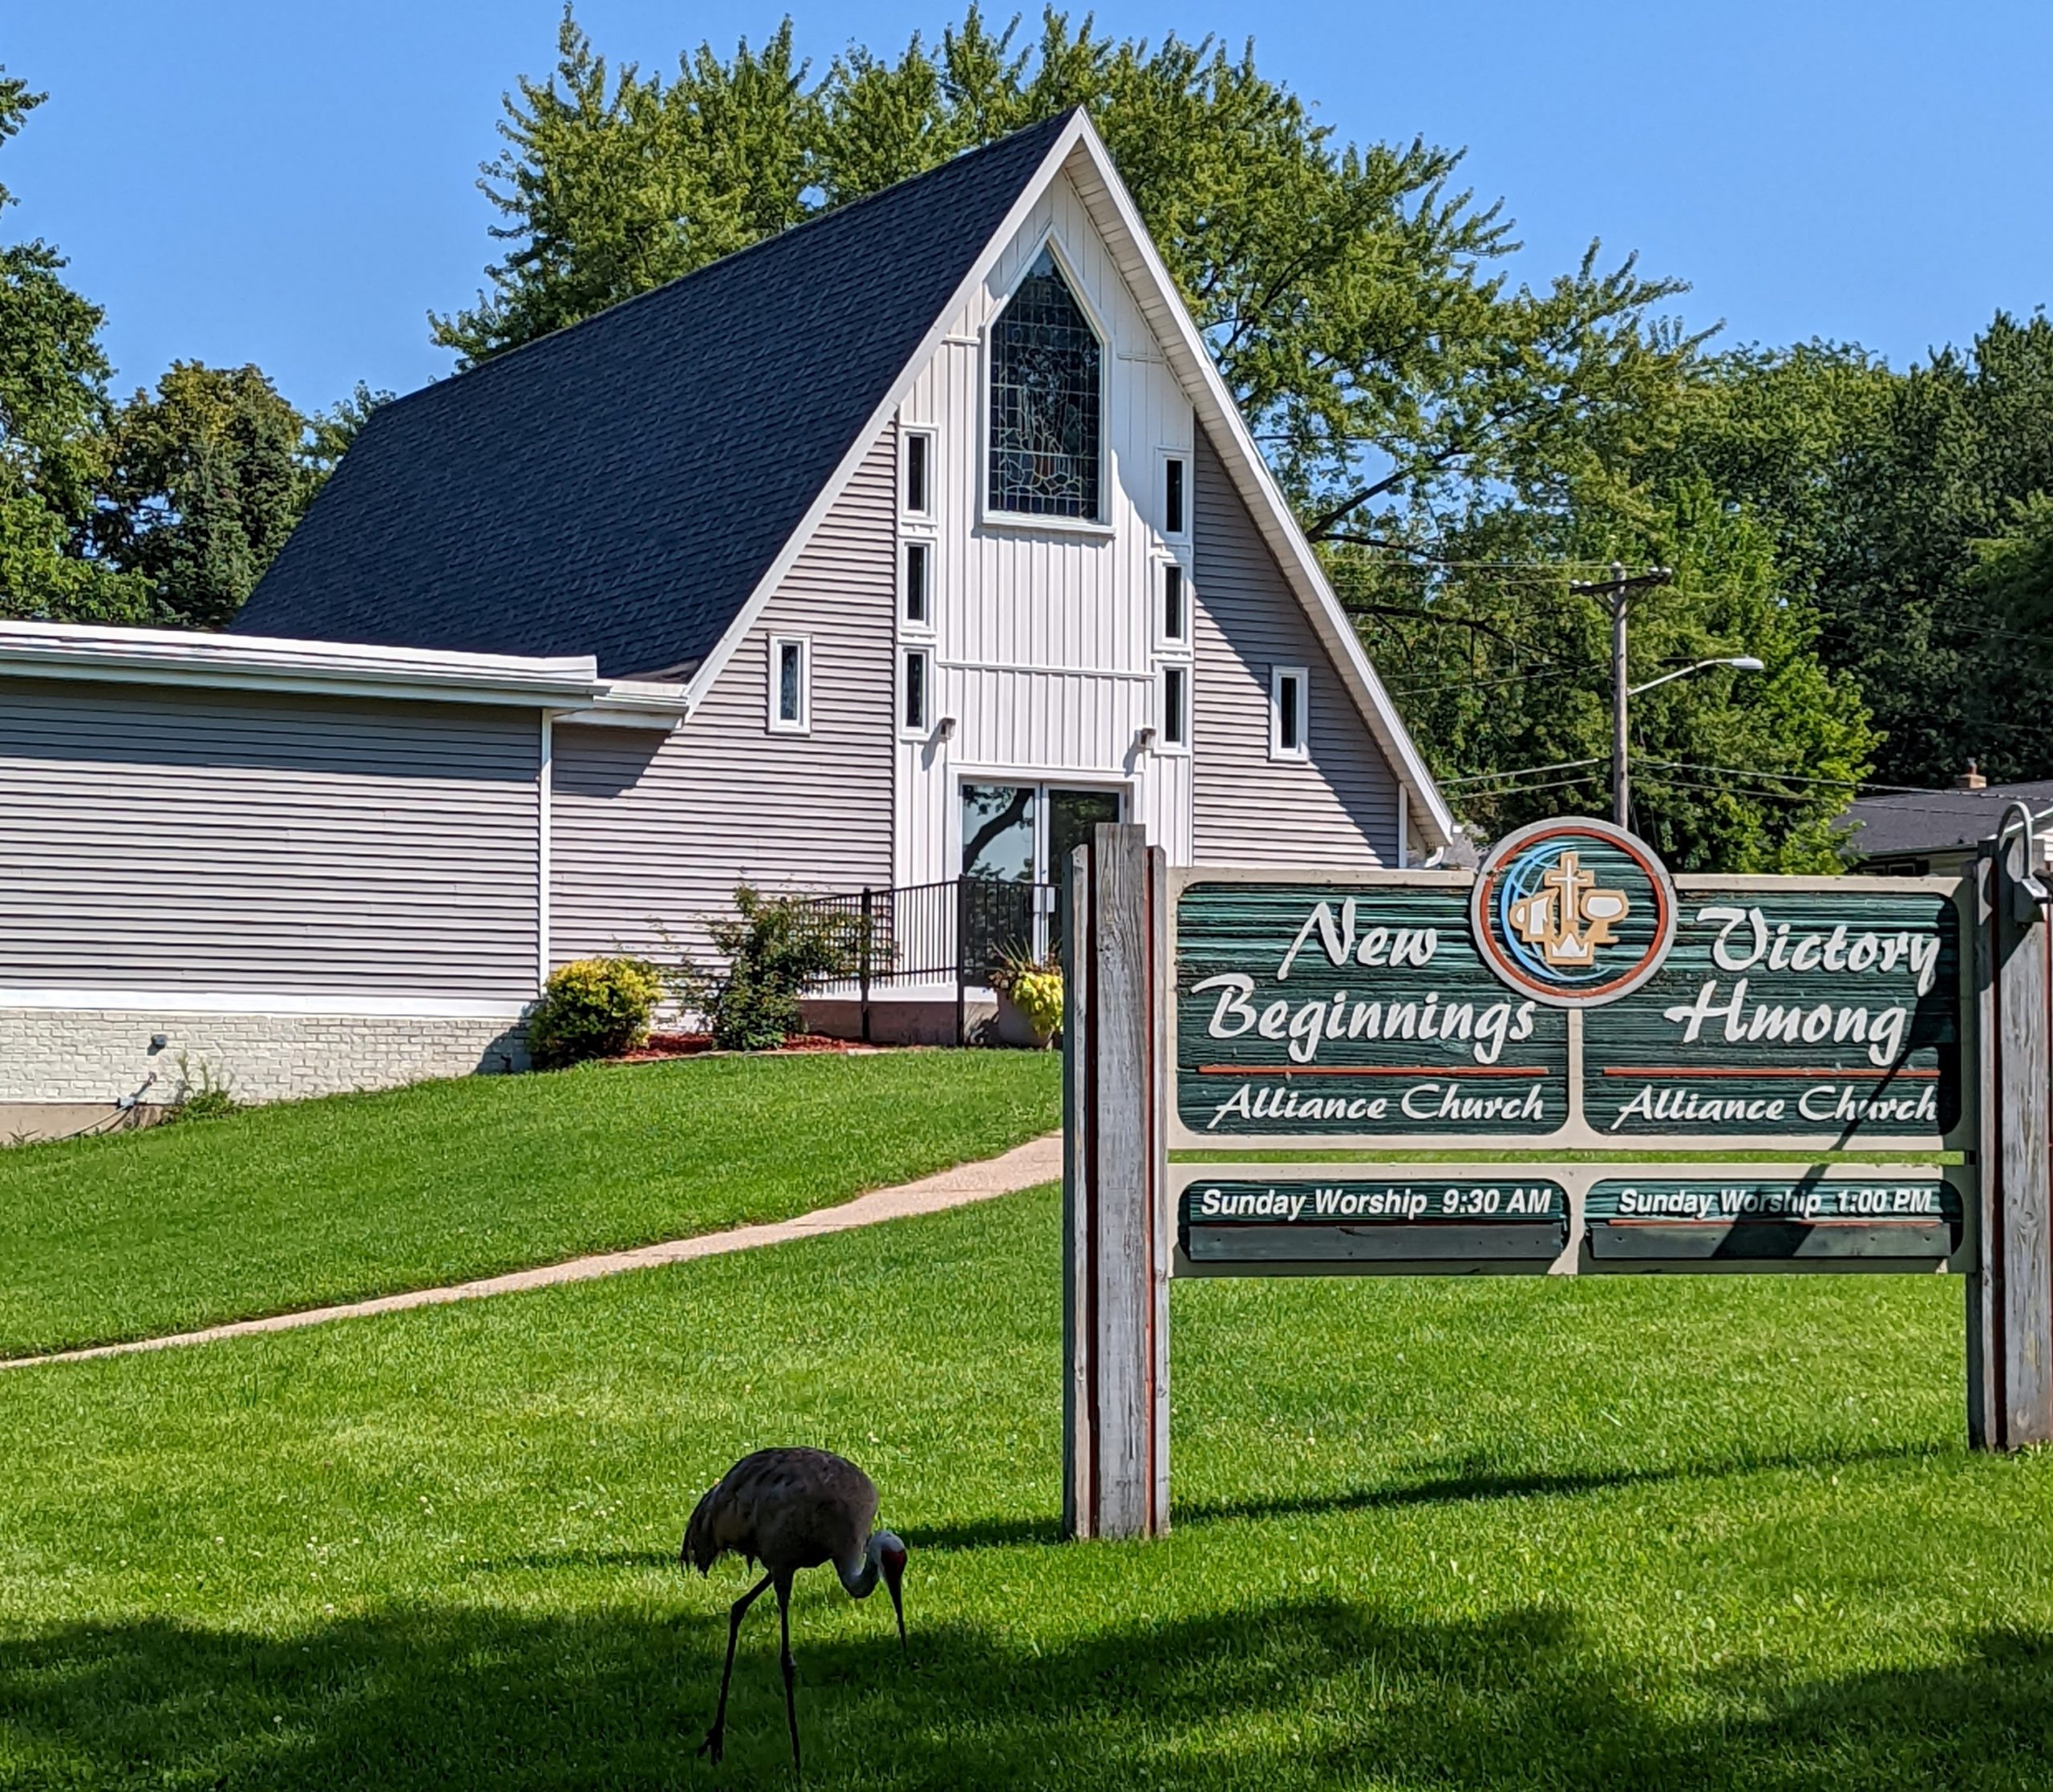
column 1354, row 297
column 207, row 475
column 164, row 510
column 1889, row 496
column 53, row 447
column 1502, row 667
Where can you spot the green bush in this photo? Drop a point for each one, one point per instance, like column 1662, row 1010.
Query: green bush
column 593, row 1008
column 203, row 1093
column 773, row 948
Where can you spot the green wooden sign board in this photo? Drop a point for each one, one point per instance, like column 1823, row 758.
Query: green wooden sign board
column 1767, row 1218
column 1425, row 1219
column 1567, row 1062
column 1569, row 996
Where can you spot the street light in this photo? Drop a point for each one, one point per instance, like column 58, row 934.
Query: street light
column 1616, row 591
column 1621, row 784
column 1745, row 662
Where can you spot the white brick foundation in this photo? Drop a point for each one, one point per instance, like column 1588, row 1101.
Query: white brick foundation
column 103, row 1056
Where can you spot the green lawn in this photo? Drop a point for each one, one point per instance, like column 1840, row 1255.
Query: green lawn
column 1632, row 1534
column 308, row 1202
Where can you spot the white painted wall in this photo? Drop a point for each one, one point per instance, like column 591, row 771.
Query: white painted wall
column 1044, row 632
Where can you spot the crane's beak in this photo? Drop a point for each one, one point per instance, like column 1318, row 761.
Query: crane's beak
column 894, row 1577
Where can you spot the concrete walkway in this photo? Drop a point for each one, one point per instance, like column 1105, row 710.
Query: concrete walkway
column 1026, row 1167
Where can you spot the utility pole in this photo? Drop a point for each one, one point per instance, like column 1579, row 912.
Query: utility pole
column 1621, row 776
column 1616, row 591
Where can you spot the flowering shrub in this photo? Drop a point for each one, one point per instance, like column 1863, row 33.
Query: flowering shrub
column 774, row 948
column 593, row 1008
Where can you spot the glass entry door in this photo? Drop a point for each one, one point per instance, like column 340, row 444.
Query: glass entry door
column 1016, row 839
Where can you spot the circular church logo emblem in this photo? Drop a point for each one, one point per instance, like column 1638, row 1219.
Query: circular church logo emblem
column 1573, row 913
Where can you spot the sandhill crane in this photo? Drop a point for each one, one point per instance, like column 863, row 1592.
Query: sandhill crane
column 792, row 1509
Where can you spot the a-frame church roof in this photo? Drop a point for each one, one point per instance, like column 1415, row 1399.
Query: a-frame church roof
column 619, row 488
column 633, row 487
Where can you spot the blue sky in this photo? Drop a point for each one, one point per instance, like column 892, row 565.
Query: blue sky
column 292, row 183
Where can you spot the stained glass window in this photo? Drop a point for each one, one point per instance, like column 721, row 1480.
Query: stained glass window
column 1045, row 367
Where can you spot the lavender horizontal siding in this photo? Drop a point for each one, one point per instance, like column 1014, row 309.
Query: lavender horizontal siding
column 650, row 836
column 162, row 839
column 1338, row 806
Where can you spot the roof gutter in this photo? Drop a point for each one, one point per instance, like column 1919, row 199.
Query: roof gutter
column 170, row 656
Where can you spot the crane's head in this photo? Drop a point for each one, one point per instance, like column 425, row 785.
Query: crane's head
column 890, row 1553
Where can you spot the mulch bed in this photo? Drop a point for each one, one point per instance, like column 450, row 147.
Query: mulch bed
column 694, row 1045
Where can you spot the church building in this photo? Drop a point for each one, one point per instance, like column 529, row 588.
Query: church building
column 895, row 550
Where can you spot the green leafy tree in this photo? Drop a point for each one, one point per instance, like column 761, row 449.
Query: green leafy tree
column 208, row 475
column 1880, row 490
column 53, row 449
column 2012, row 580
column 1354, row 297
column 164, row 510
column 1502, row 670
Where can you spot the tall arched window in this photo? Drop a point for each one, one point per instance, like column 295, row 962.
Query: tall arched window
column 1046, row 364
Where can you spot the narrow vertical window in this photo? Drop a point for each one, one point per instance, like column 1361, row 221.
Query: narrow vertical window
column 915, row 698
column 1046, row 376
column 1173, row 622
column 1173, row 496
column 918, row 560
column 1175, row 705
column 918, row 446
column 1286, row 692
column 790, row 684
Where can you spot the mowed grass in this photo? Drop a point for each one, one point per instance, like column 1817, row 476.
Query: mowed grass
column 305, row 1203
column 1653, row 1533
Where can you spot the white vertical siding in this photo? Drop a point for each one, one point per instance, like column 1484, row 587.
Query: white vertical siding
column 1043, row 636
column 1338, row 805
column 162, row 839
column 651, row 833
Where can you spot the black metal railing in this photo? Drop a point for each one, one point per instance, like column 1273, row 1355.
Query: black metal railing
column 956, row 931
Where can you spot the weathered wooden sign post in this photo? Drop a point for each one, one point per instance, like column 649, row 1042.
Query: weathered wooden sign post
column 1262, row 1063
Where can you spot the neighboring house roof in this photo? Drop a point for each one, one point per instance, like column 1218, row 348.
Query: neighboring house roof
column 618, row 487
column 636, row 485
column 1936, row 821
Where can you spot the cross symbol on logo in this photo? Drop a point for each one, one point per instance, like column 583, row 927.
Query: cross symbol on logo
column 1569, row 917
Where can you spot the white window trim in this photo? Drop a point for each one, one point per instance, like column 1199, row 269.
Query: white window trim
column 1158, row 505
column 778, row 644
column 1277, row 749
column 928, row 434
column 922, row 629
column 1158, row 577
column 1108, row 467
column 924, row 729
column 1163, row 743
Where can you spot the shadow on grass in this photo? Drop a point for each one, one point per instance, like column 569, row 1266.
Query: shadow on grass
column 1311, row 1692
column 1467, row 1480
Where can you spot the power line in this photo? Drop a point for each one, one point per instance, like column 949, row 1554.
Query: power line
column 1490, row 684
column 1791, row 777
column 1522, row 790
column 1520, row 771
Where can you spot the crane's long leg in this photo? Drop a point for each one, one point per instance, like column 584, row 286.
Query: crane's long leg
column 715, row 1737
column 790, row 1672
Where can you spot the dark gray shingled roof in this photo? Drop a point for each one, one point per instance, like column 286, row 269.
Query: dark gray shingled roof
column 620, row 488
column 1935, row 821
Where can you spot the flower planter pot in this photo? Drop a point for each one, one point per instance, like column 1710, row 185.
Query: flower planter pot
column 1014, row 1028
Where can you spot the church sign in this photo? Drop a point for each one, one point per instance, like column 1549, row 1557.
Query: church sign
column 1571, row 1000
column 1567, row 1062
column 1570, row 994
